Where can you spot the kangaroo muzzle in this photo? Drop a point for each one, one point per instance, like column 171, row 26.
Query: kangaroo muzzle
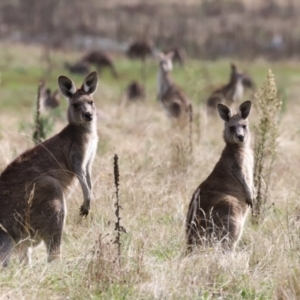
column 88, row 117
column 241, row 138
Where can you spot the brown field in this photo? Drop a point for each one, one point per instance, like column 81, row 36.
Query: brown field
column 158, row 177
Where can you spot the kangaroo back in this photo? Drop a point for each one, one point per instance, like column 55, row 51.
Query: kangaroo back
column 100, row 60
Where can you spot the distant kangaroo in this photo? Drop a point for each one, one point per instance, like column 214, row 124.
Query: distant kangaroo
column 140, row 49
column 80, row 67
column 100, row 60
column 248, row 82
column 179, row 55
column 51, row 100
column 135, row 91
column 230, row 93
column 33, row 186
column 176, row 104
column 219, row 206
column 48, row 99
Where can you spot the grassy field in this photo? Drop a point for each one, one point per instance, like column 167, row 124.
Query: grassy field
column 158, row 177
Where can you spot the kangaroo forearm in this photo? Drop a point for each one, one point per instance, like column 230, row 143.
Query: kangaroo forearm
column 85, row 190
column 82, row 177
column 89, row 183
column 248, row 191
column 88, row 177
column 85, row 207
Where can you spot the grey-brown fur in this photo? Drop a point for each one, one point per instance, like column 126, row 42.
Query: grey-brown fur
column 232, row 92
column 100, row 60
column 179, row 55
column 47, row 98
column 80, row 67
column 140, row 49
column 248, row 82
column 219, row 206
column 174, row 101
column 34, row 185
column 51, row 99
column 135, row 91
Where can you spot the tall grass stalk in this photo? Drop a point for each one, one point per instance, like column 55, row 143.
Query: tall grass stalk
column 38, row 131
column 267, row 106
column 118, row 227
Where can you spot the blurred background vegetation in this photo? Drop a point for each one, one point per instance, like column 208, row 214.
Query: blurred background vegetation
column 207, row 29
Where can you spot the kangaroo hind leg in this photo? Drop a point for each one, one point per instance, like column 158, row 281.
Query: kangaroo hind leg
column 48, row 214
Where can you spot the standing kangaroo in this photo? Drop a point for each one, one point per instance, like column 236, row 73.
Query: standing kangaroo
column 172, row 98
column 51, row 100
column 219, row 206
column 33, row 186
column 47, row 98
column 230, row 93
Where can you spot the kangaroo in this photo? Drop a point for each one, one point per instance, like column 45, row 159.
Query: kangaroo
column 219, row 206
column 174, row 101
column 248, row 82
column 81, row 68
column 100, row 60
column 135, row 91
column 47, row 99
column 51, row 100
column 34, row 185
column 230, row 93
column 140, row 49
column 179, row 55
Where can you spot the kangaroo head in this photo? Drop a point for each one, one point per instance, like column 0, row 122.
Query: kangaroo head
column 81, row 108
column 165, row 61
column 235, row 74
column 236, row 129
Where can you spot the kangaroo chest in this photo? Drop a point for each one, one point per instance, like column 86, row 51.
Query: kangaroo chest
column 238, row 91
column 89, row 150
column 163, row 85
column 245, row 163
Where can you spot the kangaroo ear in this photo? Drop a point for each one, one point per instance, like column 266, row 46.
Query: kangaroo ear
column 245, row 109
column 224, row 112
column 159, row 55
column 66, row 86
column 233, row 67
column 170, row 54
column 90, row 83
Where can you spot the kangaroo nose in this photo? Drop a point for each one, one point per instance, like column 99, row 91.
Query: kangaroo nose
column 88, row 116
column 241, row 138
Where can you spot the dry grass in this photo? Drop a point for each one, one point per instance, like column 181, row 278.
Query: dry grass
column 157, row 178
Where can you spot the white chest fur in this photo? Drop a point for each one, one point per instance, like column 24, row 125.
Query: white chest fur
column 248, row 165
column 90, row 150
column 162, row 84
column 239, row 91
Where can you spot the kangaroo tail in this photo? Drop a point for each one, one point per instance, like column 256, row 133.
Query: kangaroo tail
column 6, row 245
column 191, row 227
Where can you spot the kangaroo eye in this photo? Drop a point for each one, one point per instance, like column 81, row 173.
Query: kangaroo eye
column 91, row 102
column 232, row 128
column 75, row 105
column 244, row 126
